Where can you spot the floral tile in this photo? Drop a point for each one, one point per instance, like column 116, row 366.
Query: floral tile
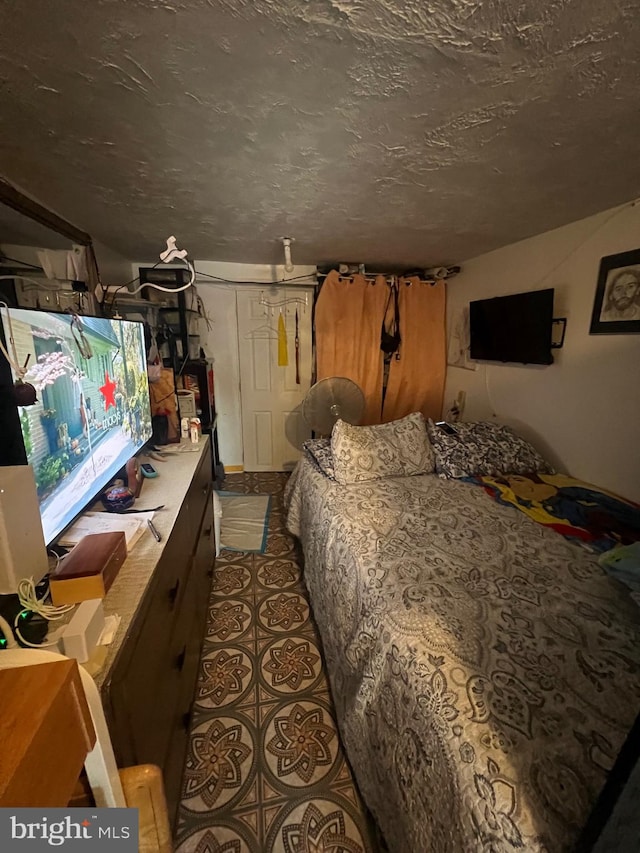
column 284, row 612
column 278, row 573
column 301, row 746
column 229, row 619
column 220, row 763
column 317, row 824
column 291, row 664
column 218, row 839
column 225, row 676
column 230, row 578
column 265, row 769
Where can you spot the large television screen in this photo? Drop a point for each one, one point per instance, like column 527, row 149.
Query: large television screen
column 515, row 328
column 92, row 414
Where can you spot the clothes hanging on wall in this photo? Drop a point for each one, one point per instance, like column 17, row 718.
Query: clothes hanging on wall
column 65, row 264
column 351, row 314
column 416, row 380
column 348, row 319
column 391, row 338
column 283, row 350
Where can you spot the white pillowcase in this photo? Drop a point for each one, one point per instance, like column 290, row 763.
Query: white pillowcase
column 397, row 449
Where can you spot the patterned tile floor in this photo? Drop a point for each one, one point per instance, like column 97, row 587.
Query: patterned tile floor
column 266, row 771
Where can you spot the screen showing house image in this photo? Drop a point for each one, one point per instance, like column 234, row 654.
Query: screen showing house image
column 92, row 413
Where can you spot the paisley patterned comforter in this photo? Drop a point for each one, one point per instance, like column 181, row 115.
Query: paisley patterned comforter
column 485, row 671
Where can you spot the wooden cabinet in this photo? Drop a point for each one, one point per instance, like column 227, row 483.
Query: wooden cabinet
column 46, row 732
column 150, row 690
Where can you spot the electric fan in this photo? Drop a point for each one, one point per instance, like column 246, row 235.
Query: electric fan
column 330, row 399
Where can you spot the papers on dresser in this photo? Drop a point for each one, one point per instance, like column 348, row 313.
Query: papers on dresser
column 133, row 526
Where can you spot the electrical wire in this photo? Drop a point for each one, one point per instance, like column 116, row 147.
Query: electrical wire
column 263, row 283
column 30, row 602
column 16, row 631
column 160, row 287
column 22, row 263
column 77, row 331
column 589, row 236
column 4, row 257
column 194, row 275
column 494, row 414
column 189, row 284
column 202, row 310
column 28, row 598
column 8, row 634
column 546, row 275
column 40, row 284
column 56, row 557
column 182, row 366
column 123, row 286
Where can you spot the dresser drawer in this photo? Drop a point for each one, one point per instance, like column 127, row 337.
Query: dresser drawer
column 141, row 735
column 206, row 544
column 149, row 693
column 186, row 646
column 199, row 492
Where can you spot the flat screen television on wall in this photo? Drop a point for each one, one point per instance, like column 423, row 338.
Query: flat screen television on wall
column 515, row 328
column 92, row 413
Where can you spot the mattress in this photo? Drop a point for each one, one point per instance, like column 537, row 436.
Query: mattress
column 485, row 671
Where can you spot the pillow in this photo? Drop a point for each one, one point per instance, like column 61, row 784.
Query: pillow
column 397, row 449
column 318, row 450
column 483, row 448
column 623, row 563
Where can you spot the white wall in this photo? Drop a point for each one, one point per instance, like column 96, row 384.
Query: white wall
column 583, row 411
column 221, row 342
column 114, row 268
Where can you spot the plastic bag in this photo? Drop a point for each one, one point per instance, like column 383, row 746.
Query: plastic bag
column 154, row 362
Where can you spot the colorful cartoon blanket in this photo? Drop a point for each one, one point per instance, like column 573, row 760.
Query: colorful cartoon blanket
column 575, row 509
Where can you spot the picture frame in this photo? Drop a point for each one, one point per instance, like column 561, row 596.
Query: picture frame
column 616, row 307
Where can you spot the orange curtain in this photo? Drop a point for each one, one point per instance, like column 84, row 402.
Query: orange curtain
column 348, row 320
column 416, row 379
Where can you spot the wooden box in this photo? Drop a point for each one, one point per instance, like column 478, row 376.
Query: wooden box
column 90, row 569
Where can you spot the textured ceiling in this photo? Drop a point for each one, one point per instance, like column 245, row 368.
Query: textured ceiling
column 407, row 133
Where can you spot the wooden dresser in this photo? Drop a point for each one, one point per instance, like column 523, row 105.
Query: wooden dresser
column 148, row 679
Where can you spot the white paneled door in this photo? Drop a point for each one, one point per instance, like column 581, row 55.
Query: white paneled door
column 272, row 425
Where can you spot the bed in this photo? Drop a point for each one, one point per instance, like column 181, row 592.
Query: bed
column 485, row 671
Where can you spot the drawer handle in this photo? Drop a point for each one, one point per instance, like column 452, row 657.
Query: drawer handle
column 181, row 659
column 207, row 533
column 186, row 721
column 205, row 489
column 173, row 593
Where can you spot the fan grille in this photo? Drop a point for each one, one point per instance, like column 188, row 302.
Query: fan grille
column 330, row 399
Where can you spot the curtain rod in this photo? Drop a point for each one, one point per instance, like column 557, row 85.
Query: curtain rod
column 425, row 276
column 390, row 278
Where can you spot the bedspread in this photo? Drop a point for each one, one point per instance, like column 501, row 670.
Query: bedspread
column 571, row 507
column 484, row 670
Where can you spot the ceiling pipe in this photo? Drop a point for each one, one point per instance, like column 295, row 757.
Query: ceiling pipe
column 288, row 263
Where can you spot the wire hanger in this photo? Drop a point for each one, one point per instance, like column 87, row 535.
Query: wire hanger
column 263, row 332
